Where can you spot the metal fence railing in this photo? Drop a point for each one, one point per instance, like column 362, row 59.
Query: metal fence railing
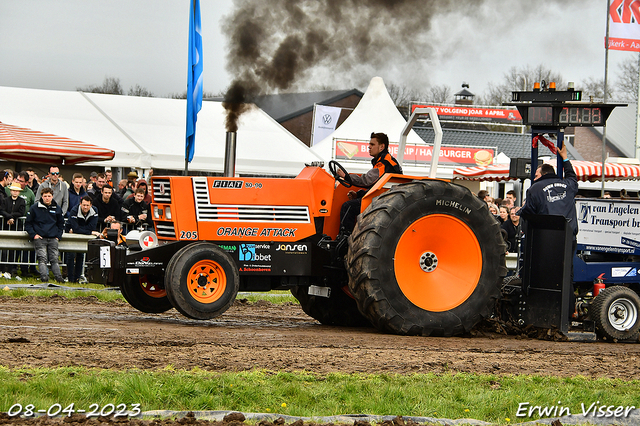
column 17, row 251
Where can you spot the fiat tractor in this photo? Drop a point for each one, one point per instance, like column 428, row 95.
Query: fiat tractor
column 426, row 256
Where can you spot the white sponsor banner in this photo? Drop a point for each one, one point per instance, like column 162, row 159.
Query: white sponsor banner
column 324, row 121
column 624, row 25
column 609, row 225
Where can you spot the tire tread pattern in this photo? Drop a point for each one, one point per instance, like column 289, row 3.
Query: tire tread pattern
column 370, row 264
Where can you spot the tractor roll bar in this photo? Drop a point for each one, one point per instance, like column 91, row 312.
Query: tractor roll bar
column 433, row 116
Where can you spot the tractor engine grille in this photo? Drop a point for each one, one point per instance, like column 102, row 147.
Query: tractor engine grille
column 166, row 229
column 206, row 211
column 161, row 191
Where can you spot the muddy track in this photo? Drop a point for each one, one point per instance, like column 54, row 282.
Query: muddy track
column 84, row 332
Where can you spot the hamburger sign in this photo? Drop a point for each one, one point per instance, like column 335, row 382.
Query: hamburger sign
column 418, row 154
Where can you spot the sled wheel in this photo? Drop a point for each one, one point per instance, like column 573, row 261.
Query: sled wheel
column 615, row 312
column 202, row 281
column 339, row 309
column 426, row 258
column 146, row 293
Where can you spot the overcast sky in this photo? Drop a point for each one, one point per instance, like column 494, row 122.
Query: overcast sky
column 64, row 44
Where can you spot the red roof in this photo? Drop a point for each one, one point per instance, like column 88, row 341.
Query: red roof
column 585, row 170
column 32, row 146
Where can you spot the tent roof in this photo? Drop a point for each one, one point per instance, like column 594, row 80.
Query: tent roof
column 150, row 132
column 585, row 171
column 376, row 112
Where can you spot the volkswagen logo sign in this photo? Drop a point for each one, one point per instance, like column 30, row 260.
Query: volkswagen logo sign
column 326, row 119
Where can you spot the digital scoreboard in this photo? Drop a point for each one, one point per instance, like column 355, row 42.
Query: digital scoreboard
column 560, row 109
column 567, row 115
column 550, row 112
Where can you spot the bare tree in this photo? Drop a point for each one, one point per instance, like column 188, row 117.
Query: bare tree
column 138, row 90
column 110, row 85
column 441, row 94
column 521, row 78
column 402, row 95
column 594, row 88
column 627, row 84
column 205, row 95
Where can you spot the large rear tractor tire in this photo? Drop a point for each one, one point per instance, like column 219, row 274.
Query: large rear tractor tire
column 339, row 309
column 616, row 312
column 146, row 293
column 426, row 258
column 202, row 281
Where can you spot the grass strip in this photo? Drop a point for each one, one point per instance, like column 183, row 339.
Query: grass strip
column 97, row 291
column 462, row 395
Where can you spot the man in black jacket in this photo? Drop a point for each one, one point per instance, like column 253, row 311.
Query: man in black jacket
column 45, row 226
column 135, row 211
column 83, row 219
column 551, row 195
column 13, row 208
column 107, row 207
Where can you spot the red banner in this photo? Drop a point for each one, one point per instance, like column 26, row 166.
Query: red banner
column 471, row 113
column 418, row 154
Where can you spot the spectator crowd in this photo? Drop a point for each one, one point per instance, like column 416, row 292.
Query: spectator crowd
column 51, row 206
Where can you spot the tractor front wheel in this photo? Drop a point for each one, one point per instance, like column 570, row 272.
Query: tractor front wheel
column 202, row 281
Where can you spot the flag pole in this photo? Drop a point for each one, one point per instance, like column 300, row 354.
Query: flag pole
column 638, row 114
column 606, row 73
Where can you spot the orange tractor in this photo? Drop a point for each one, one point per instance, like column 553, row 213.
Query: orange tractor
column 426, row 256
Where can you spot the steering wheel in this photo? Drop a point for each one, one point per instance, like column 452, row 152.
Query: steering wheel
column 346, row 180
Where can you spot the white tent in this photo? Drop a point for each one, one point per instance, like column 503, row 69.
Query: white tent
column 376, row 112
column 150, row 132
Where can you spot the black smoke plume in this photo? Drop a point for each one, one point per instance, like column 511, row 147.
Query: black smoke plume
column 284, row 45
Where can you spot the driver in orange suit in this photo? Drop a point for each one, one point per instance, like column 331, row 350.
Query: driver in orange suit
column 382, row 162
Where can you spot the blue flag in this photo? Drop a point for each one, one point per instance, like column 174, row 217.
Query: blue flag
column 194, row 84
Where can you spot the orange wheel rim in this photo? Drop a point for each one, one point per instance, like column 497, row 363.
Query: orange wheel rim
column 206, row 281
column 151, row 289
column 438, row 262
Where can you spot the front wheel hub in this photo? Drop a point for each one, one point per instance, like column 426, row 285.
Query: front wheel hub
column 622, row 314
column 428, row 261
column 206, row 281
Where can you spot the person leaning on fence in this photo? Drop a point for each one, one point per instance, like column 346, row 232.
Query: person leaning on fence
column 11, row 209
column 135, row 211
column 26, row 193
column 45, row 226
column 83, row 219
column 7, row 177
